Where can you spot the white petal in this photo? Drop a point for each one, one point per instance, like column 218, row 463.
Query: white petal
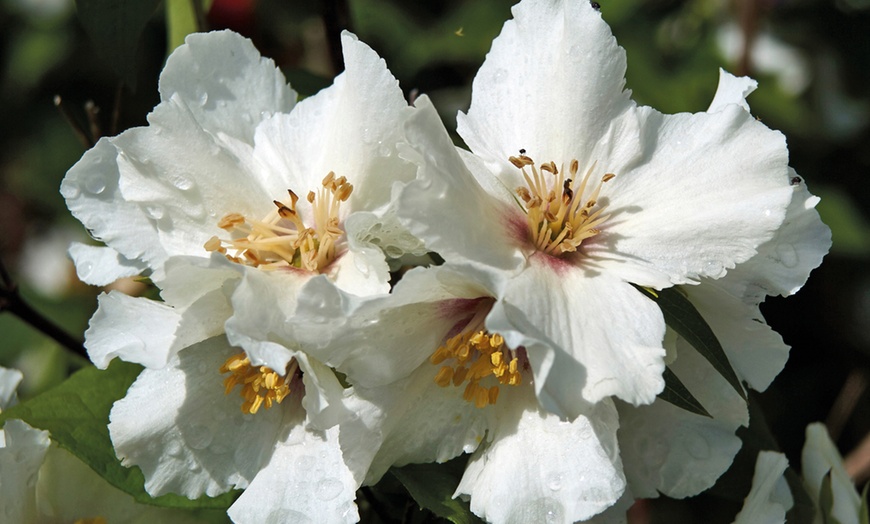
column 9, row 380
column 552, row 84
column 383, row 339
column 351, row 128
column 818, row 457
column 22, row 450
column 362, row 272
column 135, row 329
column 732, row 90
column 588, row 336
column 539, row 468
column 707, row 190
column 783, row 264
column 419, row 422
column 92, row 193
column 756, row 352
column 174, row 424
column 100, row 266
column 305, row 481
column 225, row 83
column 769, row 498
column 447, row 209
column 666, row 449
column 263, row 304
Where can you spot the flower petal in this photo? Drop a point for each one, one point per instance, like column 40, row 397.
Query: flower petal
column 22, row 450
column 769, row 498
column 100, row 266
column 557, row 471
column 669, row 450
column 132, row 328
column 173, row 425
column 588, row 335
column 9, row 380
column 225, row 83
column 552, row 84
column 732, row 90
column 305, row 481
column 446, row 208
column 818, row 457
column 707, row 190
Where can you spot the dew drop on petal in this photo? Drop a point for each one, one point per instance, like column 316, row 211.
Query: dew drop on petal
column 787, row 255
column 71, row 190
column 95, row 184
column 154, row 211
column 698, row 447
column 85, row 269
column 500, row 75
column 181, row 182
column 199, row 437
column 554, row 482
column 328, row 489
column 173, row 448
column 203, row 99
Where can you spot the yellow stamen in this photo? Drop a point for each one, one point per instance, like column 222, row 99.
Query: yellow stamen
column 281, row 239
column 261, row 386
column 559, row 215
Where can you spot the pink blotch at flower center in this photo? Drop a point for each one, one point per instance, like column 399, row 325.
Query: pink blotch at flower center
column 281, row 239
column 559, row 213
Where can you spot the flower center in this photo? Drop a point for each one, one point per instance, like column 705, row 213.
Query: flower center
column 261, row 386
column 560, row 216
column 281, row 239
column 473, row 356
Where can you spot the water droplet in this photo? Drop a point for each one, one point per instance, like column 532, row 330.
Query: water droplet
column 500, row 75
column 71, row 190
column 199, row 437
column 584, row 432
column 203, row 99
column 193, row 467
column 554, row 483
column 328, row 489
column 787, row 255
column 384, row 149
column 181, row 182
column 222, row 103
column 714, row 269
column 196, row 211
column 95, row 184
column 85, row 269
column 173, row 448
column 154, row 211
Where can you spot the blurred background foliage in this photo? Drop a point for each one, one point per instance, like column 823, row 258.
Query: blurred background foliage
column 62, row 86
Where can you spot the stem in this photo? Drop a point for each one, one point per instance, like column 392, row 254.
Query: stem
column 10, row 300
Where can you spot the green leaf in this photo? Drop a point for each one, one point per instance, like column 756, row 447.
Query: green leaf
column 677, row 394
column 115, row 27
column 181, row 21
column 432, row 487
column 683, row 318
column 863, row 512
column 826, row 500
column 76, row 413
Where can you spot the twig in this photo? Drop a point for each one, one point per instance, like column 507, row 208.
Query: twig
column 116, row 110
column 857, row 462
column 11, row 301
column 336, row 17
column 844, row 405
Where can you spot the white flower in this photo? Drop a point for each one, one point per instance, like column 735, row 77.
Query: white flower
column 653, row 200
column 233, row 187
column 819, row 458
column 769, row 498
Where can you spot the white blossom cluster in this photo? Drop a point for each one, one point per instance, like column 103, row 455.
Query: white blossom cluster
column 343, row 290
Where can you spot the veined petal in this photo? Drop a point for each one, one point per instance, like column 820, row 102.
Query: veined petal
column 769, row 498
column 135, row 329
column 552, row 84
column 305, row 480
column 669, row 450
column 588, row 335
column 225, row 83
column 100, row 266
column 447, row 209
column 173, row 425
column 538, row 467
column 707, row 191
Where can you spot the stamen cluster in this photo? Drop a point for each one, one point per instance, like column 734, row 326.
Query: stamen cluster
column 261, row 386
column 559, row 216
column 477, row 355
column 281, row 239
